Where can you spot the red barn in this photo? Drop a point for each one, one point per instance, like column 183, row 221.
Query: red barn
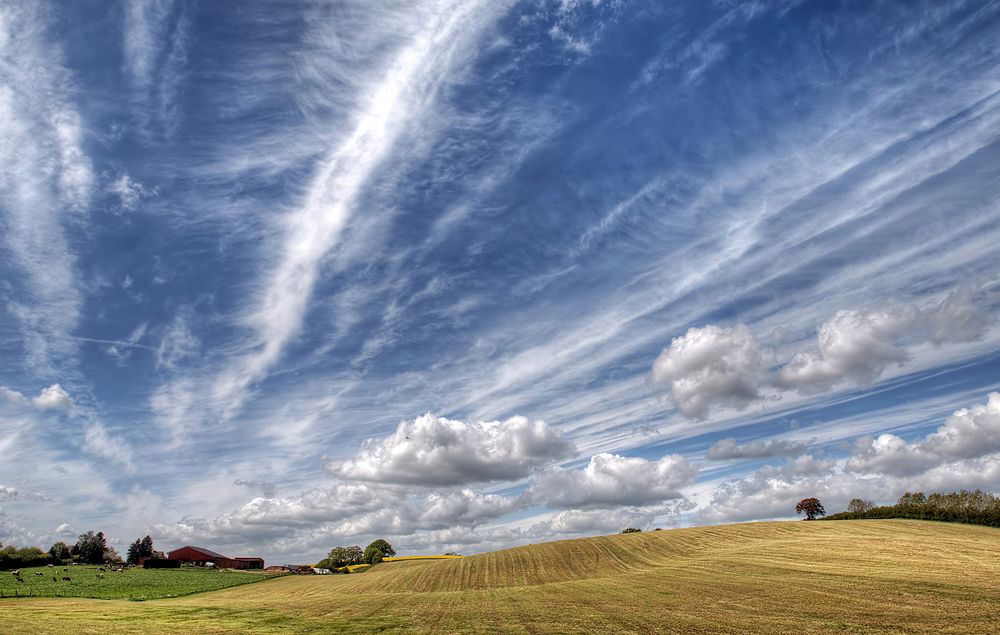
column 201, row 556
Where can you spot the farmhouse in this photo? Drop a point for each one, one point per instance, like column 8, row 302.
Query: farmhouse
column 201, row 556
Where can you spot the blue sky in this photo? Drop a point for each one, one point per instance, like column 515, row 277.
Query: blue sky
column 279, row 276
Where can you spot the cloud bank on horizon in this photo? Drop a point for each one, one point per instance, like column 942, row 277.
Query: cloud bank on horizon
column 472, row 274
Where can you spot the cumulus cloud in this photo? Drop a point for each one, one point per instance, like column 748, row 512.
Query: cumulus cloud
column 610, row 480
column 969, row 433
column 854, row 345
column 719, row 366
column 727, row 449
column 12, row 533
column 712, row 365
column 7, row 493
column 53, row 398
column 859, row 346
column 64, row 530
column 345, row 509
column 435, row 451
column 12, row 395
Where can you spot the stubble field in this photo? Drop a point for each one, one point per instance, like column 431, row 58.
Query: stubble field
column 792, row 577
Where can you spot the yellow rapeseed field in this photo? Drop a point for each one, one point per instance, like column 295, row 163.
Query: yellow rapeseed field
column 884, row 576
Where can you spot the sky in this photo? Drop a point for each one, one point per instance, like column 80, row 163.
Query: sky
column 283, row 275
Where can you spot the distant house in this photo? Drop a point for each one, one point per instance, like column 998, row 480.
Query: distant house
column 206, row 557
column 277, row 569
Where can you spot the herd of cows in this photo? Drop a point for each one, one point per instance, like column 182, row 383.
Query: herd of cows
column 41, row 574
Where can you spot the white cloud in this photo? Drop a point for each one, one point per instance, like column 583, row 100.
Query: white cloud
column 11, row 533
column 610, row 480
column 12, row 395
column 129, row 193
column 65, row 530
column 46, row 180
column 344, row 510
column 401, row 95
column 7, row 493
column 710, row 366
column 968, row 434
column 859, row 346
column 98, row 441
column 178, row 344
column 718, row 366
column 54, row 397
column 726, row 449
column 437, row 451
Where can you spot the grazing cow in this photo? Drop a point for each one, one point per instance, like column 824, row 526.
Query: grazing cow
column 66, row 578
column 39, row 573
column 54, row 579
column 16, row 573
column 100, row 576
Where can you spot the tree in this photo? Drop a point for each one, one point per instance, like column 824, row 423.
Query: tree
column 908, row 498
column 141, row 548
column 812, row 508
column 90, row 548
column 384, row 547
column 59, row 551
column 355, row 555
column 859, row 506
column 110, row 555
column 631, row 530
column 373, row 555
column 343, row 556
column 132, row 555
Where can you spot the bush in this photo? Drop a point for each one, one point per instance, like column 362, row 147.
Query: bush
column 631, row 530
column 14, row 558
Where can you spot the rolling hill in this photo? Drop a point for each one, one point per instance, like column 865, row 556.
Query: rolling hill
column 779, row 577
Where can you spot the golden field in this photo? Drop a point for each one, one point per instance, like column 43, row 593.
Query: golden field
column 880, row 576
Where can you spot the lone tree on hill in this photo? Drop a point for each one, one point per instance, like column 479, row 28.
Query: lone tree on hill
column 812, row 508
column 631, row 530
column 859, row 506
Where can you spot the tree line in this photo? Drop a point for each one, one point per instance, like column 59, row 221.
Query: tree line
column 340, row 557
column 976, row 508
column 90, row 548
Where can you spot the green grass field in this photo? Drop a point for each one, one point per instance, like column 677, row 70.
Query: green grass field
column 891, row 576
column 134, row 584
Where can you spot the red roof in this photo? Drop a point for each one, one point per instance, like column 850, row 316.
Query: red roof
column 207, row 552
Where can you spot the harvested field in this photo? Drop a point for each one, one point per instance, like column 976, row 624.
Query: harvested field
column 788, row 577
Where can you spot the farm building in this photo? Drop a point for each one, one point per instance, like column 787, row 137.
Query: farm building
column 201, row 556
